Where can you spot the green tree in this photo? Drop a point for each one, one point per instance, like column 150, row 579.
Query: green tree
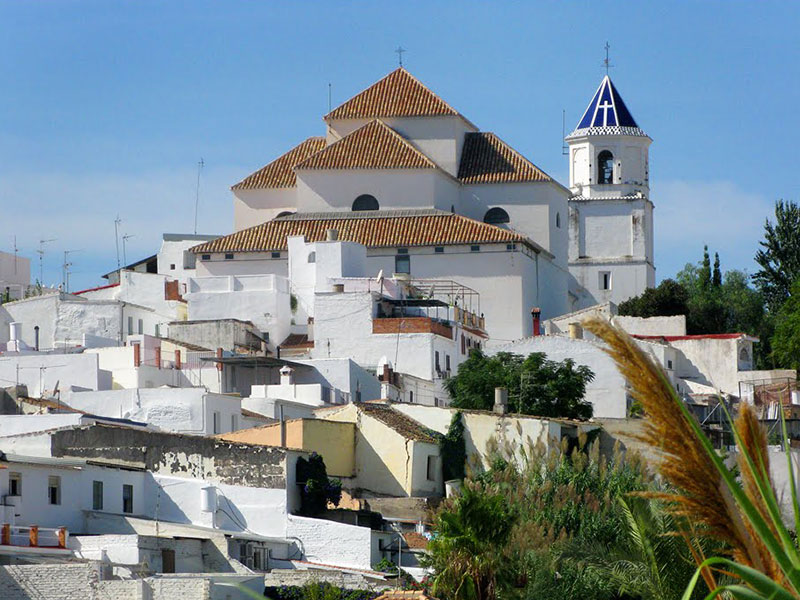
column 453, row 450
column 786, row 340
column 779, row 256
column 317, row 489
column 535, row 385
column 667, row 299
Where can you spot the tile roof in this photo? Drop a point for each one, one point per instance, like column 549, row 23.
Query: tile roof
column 374, row 229
column 399, row 94
column 280, row 172
column 403, row 595
column 405, row 426
column 372, row 146
column 488, row 159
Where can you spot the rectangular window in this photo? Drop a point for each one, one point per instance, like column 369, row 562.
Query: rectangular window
column 205, row 257
column 439, row 249
column 228, row 256
column 127, row 498
column 141, row 327
column 474, row 248
column 172, row 266
column 436, row 361
column 669, row 365
column 511, row 247
column 97, row 495
column 276, row 255
column 402, row 264
column 14, row 484
column 54, row 489
column 234, row 423
column 402, row 250
column 167, row 560
column 130, row 325
column 605, row 280
column 216, row 422
column 431, row 468
column 411, row 397
column 447, row 362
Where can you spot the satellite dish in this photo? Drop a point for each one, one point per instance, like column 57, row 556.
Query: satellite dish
column 379, row 278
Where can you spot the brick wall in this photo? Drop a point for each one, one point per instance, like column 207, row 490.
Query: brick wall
column 49, row 582
column 412, row 325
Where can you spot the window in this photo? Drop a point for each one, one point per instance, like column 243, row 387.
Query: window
column 54, row 489
column 446, row 362
column 402, row 263
column 605, row 280
column 130, row 325
column 312, row 257
column 496, row 216
column 411, row 397
column 234, row 423
column 205, row 257
column 97, row 495
column 463, row 344
column 216, row 422
column 14, row 484
column 402, row 250
column 229, row 256
column 365, row 202
column 558, row 219
column 669, row 365
column 276, row 255
column 172, row 266
column 605, row 167
column 436, row 361
column 284, row 213
column 167, row 560
column 439, row 249
column 140, row 327
column 474, row 248
column 510, row 247
column 431, row 468
column 127, row 498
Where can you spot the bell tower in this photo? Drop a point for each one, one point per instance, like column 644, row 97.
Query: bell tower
column 611, row 216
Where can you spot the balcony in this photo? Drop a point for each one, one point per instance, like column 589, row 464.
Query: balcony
column 14, row 537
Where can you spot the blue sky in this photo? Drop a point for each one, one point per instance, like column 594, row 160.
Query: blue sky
column 106, row 107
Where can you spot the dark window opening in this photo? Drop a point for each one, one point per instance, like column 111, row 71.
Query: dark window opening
column 228, row 256
column 285, row 213
column 54, row 489
column 14, row 484
column 127, row 498
column 474, row 248
column 402, row 263
column 276, row 255
column 97, row 495
column 439, row 249
column 402, row 250
column 365, row 202
column 205, row 257
column 496, row 216
column 605, row 167
column 431, row 468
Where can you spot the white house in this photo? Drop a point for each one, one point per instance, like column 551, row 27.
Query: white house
column 15, row 276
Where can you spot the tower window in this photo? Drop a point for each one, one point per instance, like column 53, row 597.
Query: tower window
column 496, row 216
column 365, row 202
column 605, row 167
column 605, row 280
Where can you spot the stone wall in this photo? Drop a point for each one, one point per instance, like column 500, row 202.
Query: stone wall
column 49, row 582
column 348, row 581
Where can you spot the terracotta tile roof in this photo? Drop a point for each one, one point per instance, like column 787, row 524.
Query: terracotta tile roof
column 280, row 172
column 416, row 541
column 374, row 229
column 372, row 146
column 488, row 159
column 297, row 340
column 399, row 94
column 405, row 426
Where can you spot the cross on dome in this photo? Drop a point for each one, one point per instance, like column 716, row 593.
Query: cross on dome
column 607, row 114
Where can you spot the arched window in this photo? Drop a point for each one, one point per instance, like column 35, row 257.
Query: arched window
column 496, row 216
column 605, row 167
column 365, row 202
column 312, row 258
column 285, row 213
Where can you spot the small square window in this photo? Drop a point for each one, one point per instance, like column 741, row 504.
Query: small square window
column 402, row 250
column 276, row 255
column 474, row 248
column 172, row 266
column 431, row 468
column 510, row 247
column 97, row 495
column 205, row 257
column 54, row 489
column 439, row 249
column 229, row 256
column 127, row 498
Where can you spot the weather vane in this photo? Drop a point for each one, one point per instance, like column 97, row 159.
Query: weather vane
column 607, row 63
column 400, row 51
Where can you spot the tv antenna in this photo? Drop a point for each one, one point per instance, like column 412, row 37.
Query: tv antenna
column 117, row 223
column 125, row 239
column 15, row 255
column 606, row 63
column 329, row 98
column 564, row 146
column 200, row 166
column 65, row 269
column 40, row 252
column 400, row 50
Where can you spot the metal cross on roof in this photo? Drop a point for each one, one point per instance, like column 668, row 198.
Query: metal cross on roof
column 399, row 52
column 606, row 63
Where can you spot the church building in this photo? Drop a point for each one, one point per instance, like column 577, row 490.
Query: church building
column 431, row 196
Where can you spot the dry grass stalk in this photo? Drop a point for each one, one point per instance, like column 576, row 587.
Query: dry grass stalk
column 702, row 496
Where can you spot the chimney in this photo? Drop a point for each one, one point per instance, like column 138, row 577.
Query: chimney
column 536, row 313
column 387, row 373
column 287, row 375
column 575, row 331
column 500, row 400
column 331, row 235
